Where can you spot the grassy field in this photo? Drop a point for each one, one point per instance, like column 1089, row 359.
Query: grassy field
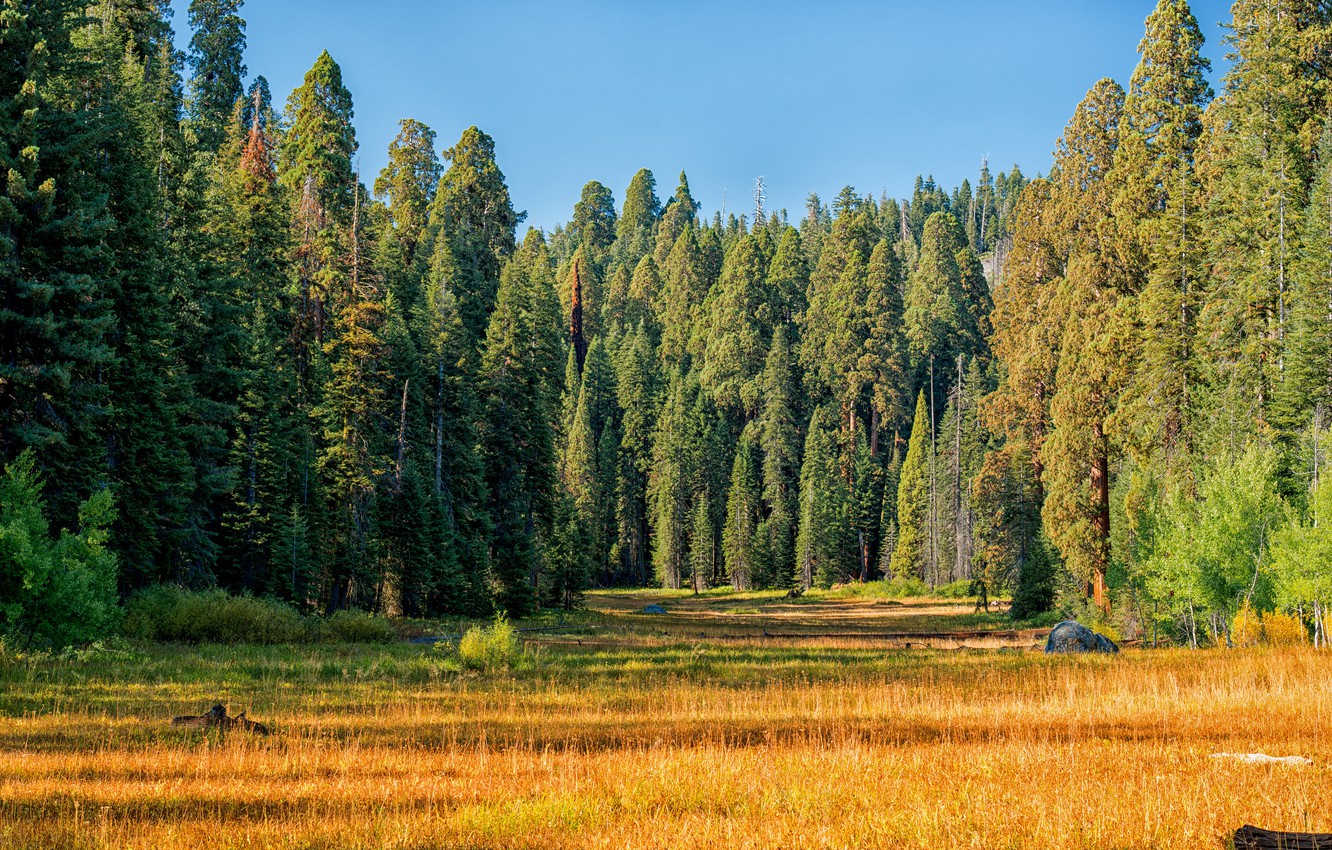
column 643, row 736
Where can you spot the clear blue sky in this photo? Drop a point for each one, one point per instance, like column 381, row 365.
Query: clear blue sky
column 811, row 95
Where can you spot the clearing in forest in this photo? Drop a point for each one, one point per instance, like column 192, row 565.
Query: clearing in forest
column 645, row 737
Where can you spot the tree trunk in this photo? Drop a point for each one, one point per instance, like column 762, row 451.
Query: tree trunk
column 1100, row 479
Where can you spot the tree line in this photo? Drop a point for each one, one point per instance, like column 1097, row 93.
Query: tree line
column 228, row 359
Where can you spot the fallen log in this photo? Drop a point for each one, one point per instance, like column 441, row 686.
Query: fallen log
column 217, row 718
column 1250, row 837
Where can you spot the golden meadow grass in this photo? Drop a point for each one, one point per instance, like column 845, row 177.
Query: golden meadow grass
column 659, row 743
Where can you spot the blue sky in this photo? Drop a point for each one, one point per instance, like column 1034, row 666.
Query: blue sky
column 811, row 95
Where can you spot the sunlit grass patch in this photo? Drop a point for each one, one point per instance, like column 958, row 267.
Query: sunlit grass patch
column 634, row 741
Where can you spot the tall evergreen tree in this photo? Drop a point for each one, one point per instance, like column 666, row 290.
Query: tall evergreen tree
column 738, row 319
column 594, row 220
column 519, row 389
column 472, row 212
column 1255, row 169
column 741, row 540
column 636, row 393
column 779, row 438
column 1308, row 384
column 912, row 557
column 217, row 56
column 683, row 288
column 821, row 543
column 409, row 181
column 591, row 459
column 1076, row 457
column 1159, row 236
column 637, row 224
column 54, row 218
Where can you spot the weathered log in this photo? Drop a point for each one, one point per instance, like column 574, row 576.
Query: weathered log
column 1250, row 837
column 217, row 718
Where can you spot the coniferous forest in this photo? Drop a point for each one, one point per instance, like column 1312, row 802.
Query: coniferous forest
column 227, row 359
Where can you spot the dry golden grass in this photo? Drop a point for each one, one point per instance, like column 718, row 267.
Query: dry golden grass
column 746, row 744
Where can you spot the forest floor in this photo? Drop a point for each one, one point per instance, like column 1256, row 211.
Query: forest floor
column 646, row 736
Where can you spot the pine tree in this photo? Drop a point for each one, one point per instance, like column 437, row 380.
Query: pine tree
column 54, row 219
column 1090, row 376
column 939, row 322
column 779, row 438
column 739, row 316
column 594, row 220
column 864, row 506
column 912, row 556
column 640, row 304
column 217, row 55
column 246, row 231
column 637, row 224
column 1308, row 385
column 591, row 459
column 702, row 545
column 884, row 363
column 1159, row 238
column 671, row 483
column 520, row 390
column 788, row 276
column 741, row 534
column 683, row 288
column 159, row 534
column 1028, row 328
column 315, row 167
column 636, row 393
column 472, row 212
column 453, row 408
column 678, row 216
column 836, row 325
column 1255, row 169
column 354, row 452
column 821, row 543
column 409, row 181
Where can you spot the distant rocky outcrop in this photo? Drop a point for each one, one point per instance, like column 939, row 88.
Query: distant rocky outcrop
column 1072, row 636
column 217, row 718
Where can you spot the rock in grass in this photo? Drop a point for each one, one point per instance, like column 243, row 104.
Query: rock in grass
column 654, row 609
column 1072, row 636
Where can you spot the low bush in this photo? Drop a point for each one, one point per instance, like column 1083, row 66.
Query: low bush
column 894, row 588
column 489, row 649
column 358, row 627
column 1247, row 627
column 172, row 614
column 168, row 613
column 1284, row 630
column 960, row 589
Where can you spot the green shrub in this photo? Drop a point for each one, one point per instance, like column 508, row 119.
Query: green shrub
column 893, row 588
column 55, row 590
column 960, row 589
column 490, row 648
column 168, row 613
column 358, row 627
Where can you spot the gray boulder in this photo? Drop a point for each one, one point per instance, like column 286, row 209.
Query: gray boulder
column 1072, row 636
column 654, row 609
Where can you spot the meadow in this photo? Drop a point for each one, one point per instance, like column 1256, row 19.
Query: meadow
column 684, row 730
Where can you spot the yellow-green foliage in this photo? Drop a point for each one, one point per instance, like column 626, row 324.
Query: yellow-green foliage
column 1284, row 630
column 1247, row 627
column 490, row 648
column 168, row 613
column 358, row 627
